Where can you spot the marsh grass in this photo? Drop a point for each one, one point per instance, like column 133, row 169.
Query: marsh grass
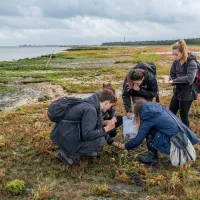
column 27, row 154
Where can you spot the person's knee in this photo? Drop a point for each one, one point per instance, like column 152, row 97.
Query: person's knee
column 102, row 142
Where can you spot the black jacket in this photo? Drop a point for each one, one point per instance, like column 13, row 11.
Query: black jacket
column 148, row 90
column 82, row 122
column 184, row 78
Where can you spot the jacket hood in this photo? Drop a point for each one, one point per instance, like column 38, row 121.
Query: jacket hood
column 94, row 100
column 191, row 57
column 151, row 110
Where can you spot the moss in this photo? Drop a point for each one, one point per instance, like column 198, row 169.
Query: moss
column 100, row 189
column 16, row 187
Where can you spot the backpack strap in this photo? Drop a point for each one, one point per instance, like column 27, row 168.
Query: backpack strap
column 180, row 139
column 148, row 67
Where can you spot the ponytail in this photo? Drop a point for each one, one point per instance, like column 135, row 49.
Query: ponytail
column 182, row 48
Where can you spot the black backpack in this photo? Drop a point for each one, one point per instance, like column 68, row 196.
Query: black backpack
column 58, row 108
column 198, row 77
column 147, row 66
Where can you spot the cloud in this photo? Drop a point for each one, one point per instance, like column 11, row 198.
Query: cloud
column 96, row 21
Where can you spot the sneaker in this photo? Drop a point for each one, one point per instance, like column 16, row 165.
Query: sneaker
column 93, row 154
column 65, row 159
column 150, row 159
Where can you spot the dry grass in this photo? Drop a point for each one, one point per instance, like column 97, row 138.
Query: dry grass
column 27, row 154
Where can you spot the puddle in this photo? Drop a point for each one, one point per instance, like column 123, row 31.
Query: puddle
column 21, row 96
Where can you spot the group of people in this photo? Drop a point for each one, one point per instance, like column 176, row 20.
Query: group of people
column 89, row 125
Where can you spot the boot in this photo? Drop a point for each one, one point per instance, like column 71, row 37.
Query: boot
column 152, row 157
column 149, row 159
column 63, row 158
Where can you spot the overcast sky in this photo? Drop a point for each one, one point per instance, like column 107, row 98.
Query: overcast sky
column 96, row 21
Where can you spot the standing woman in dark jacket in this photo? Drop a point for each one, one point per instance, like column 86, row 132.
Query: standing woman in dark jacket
column 183, row 76
column 139, row 82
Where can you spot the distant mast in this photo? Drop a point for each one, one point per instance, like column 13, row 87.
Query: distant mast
column 124, row 39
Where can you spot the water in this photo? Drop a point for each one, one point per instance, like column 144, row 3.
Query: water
column 15, row 53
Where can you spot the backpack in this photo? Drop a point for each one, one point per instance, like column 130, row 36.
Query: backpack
column 147, row 66
column 181, row 149
column 58, row 108
column 198, row 77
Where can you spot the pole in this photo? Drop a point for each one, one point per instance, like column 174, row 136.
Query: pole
column 49, row 59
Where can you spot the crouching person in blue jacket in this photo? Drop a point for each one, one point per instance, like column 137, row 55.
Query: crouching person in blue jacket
column 157, row 126
column 82, row 130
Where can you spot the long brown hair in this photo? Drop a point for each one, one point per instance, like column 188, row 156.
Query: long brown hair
column 137, row 108
column 134, row 75
column 108, row 86
column 182, row 48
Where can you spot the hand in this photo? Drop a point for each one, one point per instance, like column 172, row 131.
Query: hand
column 105, row 122
column 170, row 82
column 118, row 145
column 114, row 119
column 110, row 125
column 128, row 114
column 136, row 87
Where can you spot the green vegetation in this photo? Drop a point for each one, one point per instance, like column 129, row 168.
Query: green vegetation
column 194, row 41
column 28, row 156
column 15, row 186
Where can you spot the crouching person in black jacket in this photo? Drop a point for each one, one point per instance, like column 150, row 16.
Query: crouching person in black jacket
column 140, row 81
column 82, row 130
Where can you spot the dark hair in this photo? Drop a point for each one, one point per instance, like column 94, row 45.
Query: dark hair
column 107, row 95
column 137, row 108
column 108, row 87
column 182, row 48
column 134, row 75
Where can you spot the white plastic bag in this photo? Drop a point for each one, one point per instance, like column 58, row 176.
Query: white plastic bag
column 130, row 128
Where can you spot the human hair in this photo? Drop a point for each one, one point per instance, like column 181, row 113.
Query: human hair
column 137, row 108
column 107, row 95
column 108, row 86
column 134, row 75
column 182, row 48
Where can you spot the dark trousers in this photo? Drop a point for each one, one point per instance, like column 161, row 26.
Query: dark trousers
column 149, row 139
column 183, row 107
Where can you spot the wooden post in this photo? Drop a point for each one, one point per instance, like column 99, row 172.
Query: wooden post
column 49, row 59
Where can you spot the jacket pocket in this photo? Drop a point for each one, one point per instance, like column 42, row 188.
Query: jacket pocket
column 69, row 136
column 161, row 142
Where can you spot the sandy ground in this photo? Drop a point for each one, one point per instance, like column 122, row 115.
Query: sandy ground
column 30, row 92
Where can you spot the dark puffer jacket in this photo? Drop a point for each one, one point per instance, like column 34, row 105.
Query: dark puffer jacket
column 148, row 90
column 82, row 122
column 184, row 78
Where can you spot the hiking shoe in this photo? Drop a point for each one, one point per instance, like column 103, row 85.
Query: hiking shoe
column 93, row 154
column 65, row 159
column 150, row 159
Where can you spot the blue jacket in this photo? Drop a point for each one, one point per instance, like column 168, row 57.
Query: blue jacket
column 156, row 121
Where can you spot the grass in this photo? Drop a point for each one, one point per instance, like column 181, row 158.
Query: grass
column 4, row 89
column 28, row 155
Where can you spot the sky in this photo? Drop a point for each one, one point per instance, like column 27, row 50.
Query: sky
column 92, row 22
